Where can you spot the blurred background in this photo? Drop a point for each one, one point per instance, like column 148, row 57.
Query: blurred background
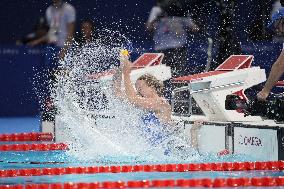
column 235, row 26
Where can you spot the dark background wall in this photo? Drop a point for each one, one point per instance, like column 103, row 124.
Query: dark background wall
column 18, row 16
column 21, row 83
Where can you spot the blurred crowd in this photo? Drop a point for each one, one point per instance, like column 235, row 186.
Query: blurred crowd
column 172, row 23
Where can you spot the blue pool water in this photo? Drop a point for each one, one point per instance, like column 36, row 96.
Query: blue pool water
column 19, row 124
column 131, row 176
column 16, row 160
column 33, row 159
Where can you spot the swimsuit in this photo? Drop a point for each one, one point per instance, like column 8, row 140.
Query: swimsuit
column 153, row 129
column 165, row 135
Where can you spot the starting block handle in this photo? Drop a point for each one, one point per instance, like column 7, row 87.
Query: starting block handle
column 236, row 62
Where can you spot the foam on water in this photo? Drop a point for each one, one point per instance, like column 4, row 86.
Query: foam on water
column 96, row 124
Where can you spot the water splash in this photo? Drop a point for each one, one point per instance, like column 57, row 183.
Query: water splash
column 94, row 123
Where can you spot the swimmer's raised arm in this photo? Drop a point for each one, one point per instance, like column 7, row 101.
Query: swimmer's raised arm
column 146, row 103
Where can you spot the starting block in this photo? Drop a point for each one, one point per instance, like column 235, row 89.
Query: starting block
column 147, row 63
column 209, row 89
column 228, row 129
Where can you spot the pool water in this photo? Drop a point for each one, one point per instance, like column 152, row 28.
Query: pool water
column 40, row 160
column 33, row 159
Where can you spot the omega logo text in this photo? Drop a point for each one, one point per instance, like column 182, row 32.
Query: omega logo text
column 250, row 141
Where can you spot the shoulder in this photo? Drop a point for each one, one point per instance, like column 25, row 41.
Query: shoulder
column 154, row 13
column 156, row 10
column 68, row 7
column 70, row 12
column 49, row 13
column 48, row 10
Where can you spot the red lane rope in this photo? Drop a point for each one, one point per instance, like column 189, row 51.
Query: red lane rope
column 202, row 182
column 226, row 166
column 27, row 137
column 33, row 147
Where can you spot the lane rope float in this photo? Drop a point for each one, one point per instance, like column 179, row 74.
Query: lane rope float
column 33, row 147
column 26, row 137
column 226, row 166
column 166, row 183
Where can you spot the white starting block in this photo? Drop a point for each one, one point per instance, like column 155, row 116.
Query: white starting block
column 147, row 63
column 209, row 89
column 229, row 129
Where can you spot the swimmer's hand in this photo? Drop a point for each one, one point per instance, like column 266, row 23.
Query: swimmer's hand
column 126, row 67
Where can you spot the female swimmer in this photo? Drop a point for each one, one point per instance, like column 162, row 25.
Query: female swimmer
column 158, row 125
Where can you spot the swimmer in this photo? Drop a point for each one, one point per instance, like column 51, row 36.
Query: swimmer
column 149, row 94
column 277, row 70
column 158, row 124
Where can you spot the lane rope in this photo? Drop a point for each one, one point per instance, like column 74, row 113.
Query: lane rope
column 191, row 167
column 33, row 147
column 167, row 183
column 26, row 137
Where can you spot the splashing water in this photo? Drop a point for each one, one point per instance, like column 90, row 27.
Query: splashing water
column 96, row 124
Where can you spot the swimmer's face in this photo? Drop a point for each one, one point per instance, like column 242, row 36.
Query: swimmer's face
column 143, row 89
column 279, row 25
